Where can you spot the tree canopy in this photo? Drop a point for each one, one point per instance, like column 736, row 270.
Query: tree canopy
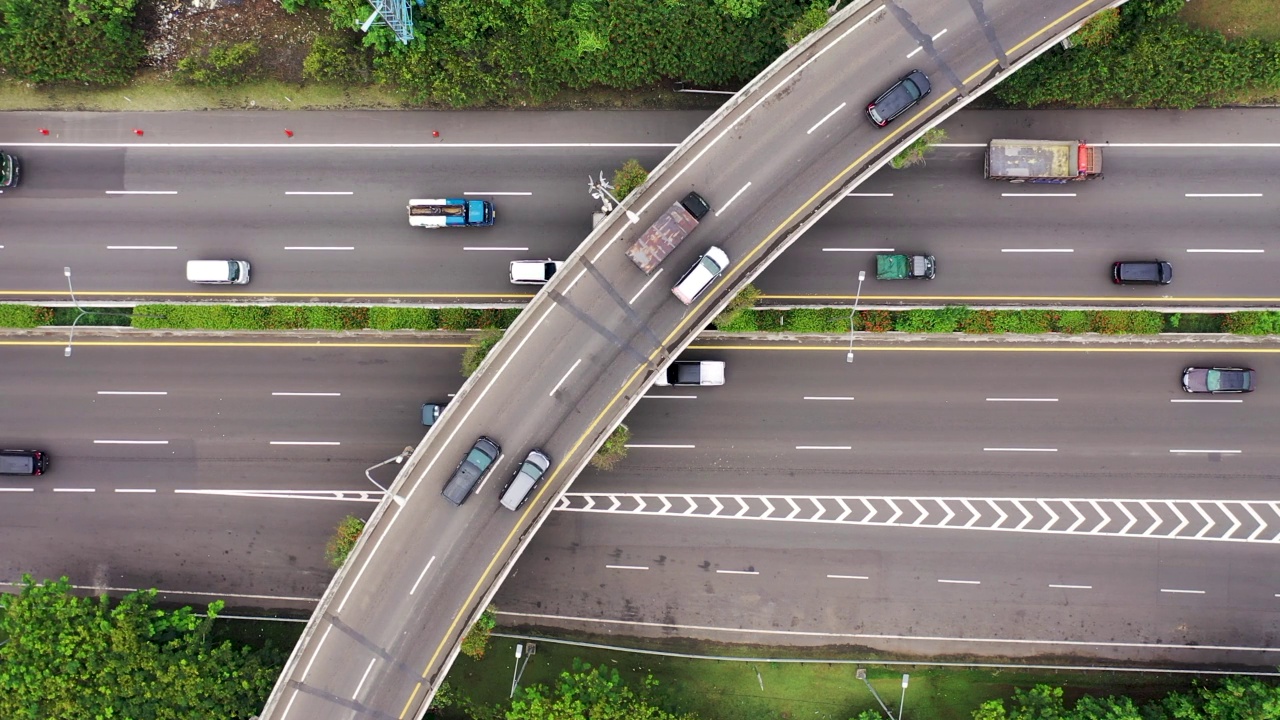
column 591, row 693
column 80, row 658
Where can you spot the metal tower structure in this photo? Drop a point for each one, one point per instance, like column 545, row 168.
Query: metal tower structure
column 395, row 14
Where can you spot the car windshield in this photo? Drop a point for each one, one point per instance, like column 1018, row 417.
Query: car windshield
column 478, row 458
column 531, row 470
column 1227, row 380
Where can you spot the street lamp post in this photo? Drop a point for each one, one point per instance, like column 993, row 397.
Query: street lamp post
column 903, row 700
column 600, row 191
column 862, row 275
column 66, row 352
column 397, row 460
column 861, row 674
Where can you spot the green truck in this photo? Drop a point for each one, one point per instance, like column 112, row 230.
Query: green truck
column 903, row 267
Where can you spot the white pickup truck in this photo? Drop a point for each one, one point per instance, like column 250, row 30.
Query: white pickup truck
column 686, row 372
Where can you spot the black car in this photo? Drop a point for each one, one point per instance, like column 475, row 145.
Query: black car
column 471, row 470
column 899, row 98
column 23, row 462
column 1142, row 272
column 1217, row 380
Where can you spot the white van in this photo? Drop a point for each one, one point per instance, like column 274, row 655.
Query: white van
column 218, row 272
column 699, row 277
column 533, row 272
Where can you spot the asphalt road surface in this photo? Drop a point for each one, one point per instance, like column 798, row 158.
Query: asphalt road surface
column 217, row 511
column 1194, row 188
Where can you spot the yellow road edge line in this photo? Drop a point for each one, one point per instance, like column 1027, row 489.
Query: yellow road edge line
column 683, row 323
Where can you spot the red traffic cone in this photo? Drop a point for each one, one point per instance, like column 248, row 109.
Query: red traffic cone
column 435, row 133
column 137, row 132
column 288, row 132
column 44, row 131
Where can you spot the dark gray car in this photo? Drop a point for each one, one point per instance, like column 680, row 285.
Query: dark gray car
column 1217, row 380
column 1142, row 272
column 23, row 462
column 516, row 492
column 898, row 99
column 471, row 470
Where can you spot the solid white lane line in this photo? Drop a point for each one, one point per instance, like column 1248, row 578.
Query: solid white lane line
column 848, row 577
column 827, row 397
column 826, row 118
column 857, row 249
column 1176, row 400
column 498, row 193
column 307, row 394
column 1225, row 250
column 1224, row 195
column 1037, row 194
column 510, row 249
column 1225, row 452
column 142, row 192
column 1009, row 449
column 824, row 447
column 867, row 194
column 738, row 572
column 130, row 442
column 74, row 490
column 564, row 377
column 9, row 489
column 319, row 192
column 677, row 447
column 960, row 582
column 644, row 287
column 305, row 442
column 627, row 567
column 356, row 693
column 1037, row 250
column 135, row 490
column 421, row 575
column 735, row 197
column 670, row 397
column 1071, row 587
column 142, row 247
column 1181, row 592
column 319, row 247
column 133, row 392
column 1022, row 399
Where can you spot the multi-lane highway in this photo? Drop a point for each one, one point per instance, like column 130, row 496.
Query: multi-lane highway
column 1171, row 185
column 219, row 511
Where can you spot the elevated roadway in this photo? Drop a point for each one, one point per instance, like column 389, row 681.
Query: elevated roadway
column 588, row 345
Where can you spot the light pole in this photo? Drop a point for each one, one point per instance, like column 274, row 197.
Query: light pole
column 600, row 191
column 861, row 674
column 862, row 275
column 903, row 701
column 518, row 670
column 397, row 460
column 66, row 352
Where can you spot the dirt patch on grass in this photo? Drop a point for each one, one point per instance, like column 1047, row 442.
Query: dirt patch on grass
column 175, row 29
column 1236, row 18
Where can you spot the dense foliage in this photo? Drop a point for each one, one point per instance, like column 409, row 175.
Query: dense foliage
column 343, row 540
column 220, row 65
column 1146, row 57
column 1238, row 698
column 591, row 693
column 76, row 658
column 613, row 450
column 476, row 641
column 479, row 349
column 84, row 41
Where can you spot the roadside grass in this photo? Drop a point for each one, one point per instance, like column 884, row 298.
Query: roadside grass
column 280, row 634
column 731, row 690
column 150, row 91
column 1236, row 18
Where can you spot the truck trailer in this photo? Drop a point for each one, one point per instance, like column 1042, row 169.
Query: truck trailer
column 1042, row 161
column 668, row 231
column 450, row 212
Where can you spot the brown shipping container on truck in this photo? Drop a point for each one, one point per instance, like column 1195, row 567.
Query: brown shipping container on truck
column 1042, row 161
column 668, row 231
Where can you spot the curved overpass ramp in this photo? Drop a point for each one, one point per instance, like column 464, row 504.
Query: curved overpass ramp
column 789, row 146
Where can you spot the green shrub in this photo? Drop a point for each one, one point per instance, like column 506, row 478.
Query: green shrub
column 742, row 303
column 613, row 450
column 874, row 321
column 337, row 60
column 343, row 540
column 382, row 317
column 1252, row 322
column 813, row 18
column 946, row 320
column 1071, row 322
column 1024, row 322
column 24, row 316
column 805, row 321
column 914, row 153
column 457, row 319
column 743, row 322
column 476, row 642
column 479, row 349
column 89, row 43
column 285, row 317
column 628, row 177
column 220, row 65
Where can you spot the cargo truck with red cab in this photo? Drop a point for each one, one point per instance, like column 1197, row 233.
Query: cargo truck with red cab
column 667, row 232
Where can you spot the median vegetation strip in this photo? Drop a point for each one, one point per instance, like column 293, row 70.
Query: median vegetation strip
column 738, row 318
